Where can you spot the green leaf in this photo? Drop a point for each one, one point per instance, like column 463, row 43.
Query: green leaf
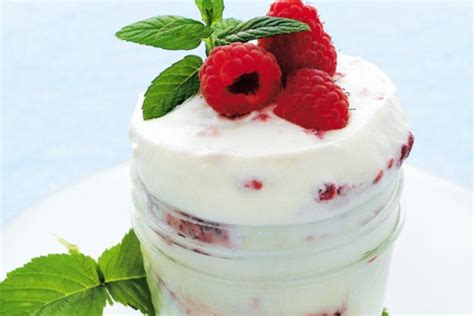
column 124, row 275
column 224, row 25
column 172, row 87
column 55, row 285
column 385, row 312
column 265, row 26
column 211, row 10
column 217, row 28
column 167, row 32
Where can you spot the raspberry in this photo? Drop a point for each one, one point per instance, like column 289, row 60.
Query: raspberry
column 312, row 100
column 390, row 163
column 328, row 193
column 378, row 177
column 339, row 312
column 239, row 78
column 254, row 185
column 262, row 117
column 309, row 49
column 195, row 228
column 406, row 148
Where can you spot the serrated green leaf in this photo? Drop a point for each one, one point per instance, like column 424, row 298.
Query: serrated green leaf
column 256, row 28
column 167, row 32
column 211, row 10
column 124, row 275
column 172, row 87
column 217, row 28
column 55, row 285
column 224, row 25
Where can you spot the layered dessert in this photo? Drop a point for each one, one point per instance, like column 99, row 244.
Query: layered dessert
column 275, row 190
column 216, row 187
column 261, row 169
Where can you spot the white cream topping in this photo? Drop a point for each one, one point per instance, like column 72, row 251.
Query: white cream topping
column 200, row 162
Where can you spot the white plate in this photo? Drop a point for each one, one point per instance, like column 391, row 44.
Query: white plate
column 431, row 270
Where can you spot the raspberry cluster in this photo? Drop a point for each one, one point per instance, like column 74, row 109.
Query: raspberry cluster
column 241, row 78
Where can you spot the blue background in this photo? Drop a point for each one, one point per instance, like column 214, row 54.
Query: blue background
column 69, row 87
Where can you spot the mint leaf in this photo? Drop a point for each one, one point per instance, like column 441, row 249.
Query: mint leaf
column 224, row 25
column 385, row 312
column 265, row 26
column 217, row 28
column 54, row 285
column 167, row 32
column 211, row 10
column 172, row 87
column 124, row 275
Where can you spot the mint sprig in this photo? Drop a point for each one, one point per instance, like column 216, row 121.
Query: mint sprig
column 180, row 81
column 172, row 87
column 256, row 28
column 75, row 284
column 167, row 32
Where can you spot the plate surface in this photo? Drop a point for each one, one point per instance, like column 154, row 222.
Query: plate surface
column 431, row 269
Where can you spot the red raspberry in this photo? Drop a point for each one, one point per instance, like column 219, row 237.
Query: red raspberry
column 328, row 193
column 390, row 163
column 378, row 177
column 406, row 148
column 254, row 185
column 310, row 49
column 239, row 78
column 313, row 100
column 195, row 228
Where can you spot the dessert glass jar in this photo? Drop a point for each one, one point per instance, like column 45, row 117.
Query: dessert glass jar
column 337, row 266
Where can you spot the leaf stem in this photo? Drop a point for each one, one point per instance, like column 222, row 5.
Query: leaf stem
column 72, row 248
column 210, row 44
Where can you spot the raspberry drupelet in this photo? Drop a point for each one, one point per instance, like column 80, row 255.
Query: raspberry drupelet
column 314, row 101
column 309, row 49
column 239, row 78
